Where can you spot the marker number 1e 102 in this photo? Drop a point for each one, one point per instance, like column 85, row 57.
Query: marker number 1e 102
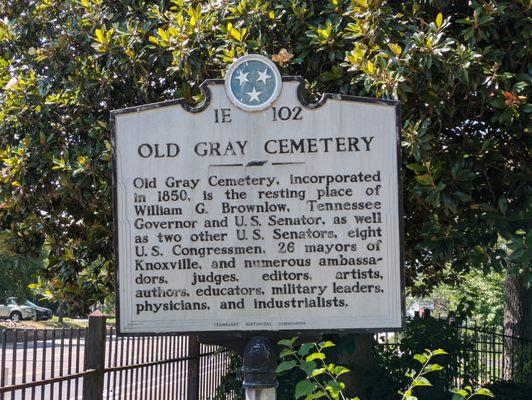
column 286, row 113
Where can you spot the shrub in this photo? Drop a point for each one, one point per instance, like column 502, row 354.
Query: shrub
column 322, row 379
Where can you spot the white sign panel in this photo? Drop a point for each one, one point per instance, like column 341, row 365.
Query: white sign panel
column 258, row 211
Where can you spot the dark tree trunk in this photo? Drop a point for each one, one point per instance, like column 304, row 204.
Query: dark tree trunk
column 61, row 312
column 359, row 357
column 518, row 324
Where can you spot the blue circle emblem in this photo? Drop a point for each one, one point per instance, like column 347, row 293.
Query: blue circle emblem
column 253, row 82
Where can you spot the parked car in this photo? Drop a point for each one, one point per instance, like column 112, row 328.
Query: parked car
column 11, row 310
column 41, row 313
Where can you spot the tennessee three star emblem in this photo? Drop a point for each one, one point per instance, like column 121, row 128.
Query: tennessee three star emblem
column 253, row 82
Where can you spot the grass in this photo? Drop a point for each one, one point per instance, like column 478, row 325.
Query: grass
column 49, row 324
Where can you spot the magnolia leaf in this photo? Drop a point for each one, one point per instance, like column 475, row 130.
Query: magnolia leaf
column 100, row 38
column 397, row 50
column 282, row 57
column 162, row 33
column 416, row 167
column 439, row 19
column 236, row 34
column 370, row 67
column 426, row 180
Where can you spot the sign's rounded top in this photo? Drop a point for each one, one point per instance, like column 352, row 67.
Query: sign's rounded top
column 253, row 82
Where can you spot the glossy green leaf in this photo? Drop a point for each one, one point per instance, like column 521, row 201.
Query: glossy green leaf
column 285, row 366
column 304, row 388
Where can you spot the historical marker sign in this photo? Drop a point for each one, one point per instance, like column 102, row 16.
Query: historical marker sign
column 257, row 211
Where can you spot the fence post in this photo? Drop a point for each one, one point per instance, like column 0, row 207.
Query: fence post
column 94, row 357
column 193, row 370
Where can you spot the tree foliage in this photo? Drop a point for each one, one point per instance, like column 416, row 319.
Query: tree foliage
column 16, row 273
column 478, row 296
column 461, row 71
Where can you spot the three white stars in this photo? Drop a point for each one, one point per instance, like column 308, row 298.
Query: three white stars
column 242, row 78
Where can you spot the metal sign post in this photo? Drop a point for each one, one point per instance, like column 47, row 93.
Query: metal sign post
column 259, row 364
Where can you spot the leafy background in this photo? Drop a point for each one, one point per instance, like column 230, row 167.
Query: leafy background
column 460, row 69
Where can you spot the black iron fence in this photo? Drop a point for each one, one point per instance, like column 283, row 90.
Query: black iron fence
column 486, row 356
column 68, row 364
column 55, row 364
column 495, row 356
